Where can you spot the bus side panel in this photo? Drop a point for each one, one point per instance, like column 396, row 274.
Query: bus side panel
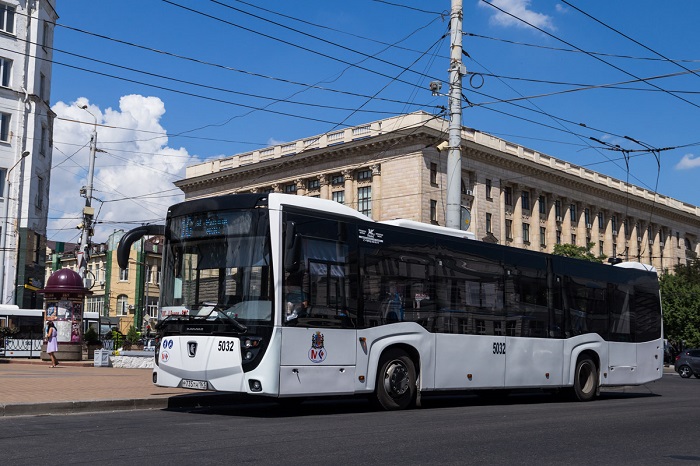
column 632, row 364
column 373, row 341
column 461, row 356
column 650, row 361
column 534, row 362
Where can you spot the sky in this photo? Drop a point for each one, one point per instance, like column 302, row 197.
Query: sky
column 611, row 86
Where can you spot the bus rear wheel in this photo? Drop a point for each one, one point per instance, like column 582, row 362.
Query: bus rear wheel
column 585, row 380
column 396, row 381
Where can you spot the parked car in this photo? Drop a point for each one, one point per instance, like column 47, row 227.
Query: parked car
column 688, row 363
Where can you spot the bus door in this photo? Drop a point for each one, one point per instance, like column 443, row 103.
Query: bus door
column 3, row 323
column 319, row 338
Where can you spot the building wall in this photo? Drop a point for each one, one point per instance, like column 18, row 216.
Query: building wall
column 637, row 224
column 26, row 100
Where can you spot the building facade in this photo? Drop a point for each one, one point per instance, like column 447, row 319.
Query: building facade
column 26, row 127
column 127, row 296
column 515, row 196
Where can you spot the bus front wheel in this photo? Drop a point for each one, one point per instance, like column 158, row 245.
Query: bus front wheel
column 396, row 381
column 585, row 380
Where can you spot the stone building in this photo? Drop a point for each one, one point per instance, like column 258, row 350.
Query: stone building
column 26, row 127
column 516, row 196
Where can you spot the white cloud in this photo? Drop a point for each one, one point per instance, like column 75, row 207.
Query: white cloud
column 133, row 177
column 688, row 162
column 519, row 9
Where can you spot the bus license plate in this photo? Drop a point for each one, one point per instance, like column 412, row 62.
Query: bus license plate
column 196, row 384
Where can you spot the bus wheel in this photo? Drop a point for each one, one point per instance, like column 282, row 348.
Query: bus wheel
column 396, row 381
column 585, row 380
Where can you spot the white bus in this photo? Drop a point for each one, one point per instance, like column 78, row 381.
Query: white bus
column 291, row 296
column 21, row 331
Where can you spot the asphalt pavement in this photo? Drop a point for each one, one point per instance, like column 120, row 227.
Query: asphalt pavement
column 33, row 387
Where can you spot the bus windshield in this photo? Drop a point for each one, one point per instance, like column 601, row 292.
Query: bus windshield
column 218, row 261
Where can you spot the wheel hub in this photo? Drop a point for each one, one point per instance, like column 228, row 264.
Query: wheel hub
column 396, row 379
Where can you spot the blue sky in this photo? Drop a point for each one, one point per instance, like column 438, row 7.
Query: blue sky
column 173, row 83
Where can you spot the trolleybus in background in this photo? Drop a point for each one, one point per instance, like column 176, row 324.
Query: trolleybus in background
column 291, row 296
column 21, row 331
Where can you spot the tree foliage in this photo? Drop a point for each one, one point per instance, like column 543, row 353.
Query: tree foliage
column 680, row 298
column 578, row 252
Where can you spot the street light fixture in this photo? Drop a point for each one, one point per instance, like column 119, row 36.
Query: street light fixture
column 6, row 223
column 88, row 211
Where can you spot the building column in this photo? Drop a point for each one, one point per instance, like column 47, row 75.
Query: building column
column 301, row 187
column 376, row 191
column 608, row 234
column 324, row 182
column 535, row 221
column 348, row 176
column 634, row 242
column 656, row 248
column 517, row 217
column 566, row 221
column 581, row 226
column 502, row 213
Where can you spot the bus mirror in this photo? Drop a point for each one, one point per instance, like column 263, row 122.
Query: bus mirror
column 291, row 248
column 130, row 237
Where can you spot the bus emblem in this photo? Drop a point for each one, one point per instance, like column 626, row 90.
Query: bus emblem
column 317, row 353
column 191, row 348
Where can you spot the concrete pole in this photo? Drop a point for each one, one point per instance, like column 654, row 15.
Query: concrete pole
column 88, row 210
column 454, row 155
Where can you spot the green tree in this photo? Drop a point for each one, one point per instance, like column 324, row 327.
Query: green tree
column 132, row 336
column 578, row 252
column 680, row 298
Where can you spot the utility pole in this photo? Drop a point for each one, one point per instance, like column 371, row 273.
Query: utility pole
column 454, row 155
column 88, row 210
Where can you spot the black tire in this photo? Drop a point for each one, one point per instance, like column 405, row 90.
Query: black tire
column 585, row 379
column 685, row 371
column 396, row 381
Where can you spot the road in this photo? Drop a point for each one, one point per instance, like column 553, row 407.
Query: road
column 632, row 425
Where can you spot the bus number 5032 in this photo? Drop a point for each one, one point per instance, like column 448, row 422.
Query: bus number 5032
column 499, row 348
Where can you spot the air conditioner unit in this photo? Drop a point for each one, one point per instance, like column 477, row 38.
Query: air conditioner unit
column 559, row 218
column 651, row 241
column 639, row 238
column 468, row 192
column 661, row 243
column 589, row 225
column 102, row 283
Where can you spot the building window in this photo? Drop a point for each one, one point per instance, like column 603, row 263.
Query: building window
column 488, row 223
column 678, row 240
column 364, row 200
column 613, row 224
column 5, row 72
column 433, row 212
column 5, row 127
column 543, row 237
column 339, row 197
column 95, row 304
column 42, row 87
column 149, row 274
column 509, row 230
column 37, row 248
column 600, row 248
column 572, row 211
column 543, row 205
column 601, row 221
column 558, row 236
column 40, row 192
column 526, row 232
column 337, row 180
column 122, row 305
column 557, row 209
column 42, row 142
column 433, row 173
column 573, row 239
column 7, row 18
column 46, row 35
column 508, row 195
column 313, row 185
column 614, row 251
column 124, row 275
column 525, row 200
column 488, row 189
column 364, row 175
column 587, row 216
column 267, row 190
column 290, row 188
column 650, row 235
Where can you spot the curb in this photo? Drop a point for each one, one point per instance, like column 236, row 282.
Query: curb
column 80, row 407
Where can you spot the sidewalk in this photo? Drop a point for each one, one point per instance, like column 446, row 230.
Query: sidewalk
column 31, row 387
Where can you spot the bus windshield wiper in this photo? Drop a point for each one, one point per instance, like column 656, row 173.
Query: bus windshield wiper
column 219, row 309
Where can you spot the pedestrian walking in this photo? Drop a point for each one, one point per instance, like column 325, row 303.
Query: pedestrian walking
column 52, row 343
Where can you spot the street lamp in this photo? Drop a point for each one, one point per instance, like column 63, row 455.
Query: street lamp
column 6, row 223
column 88, row 210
